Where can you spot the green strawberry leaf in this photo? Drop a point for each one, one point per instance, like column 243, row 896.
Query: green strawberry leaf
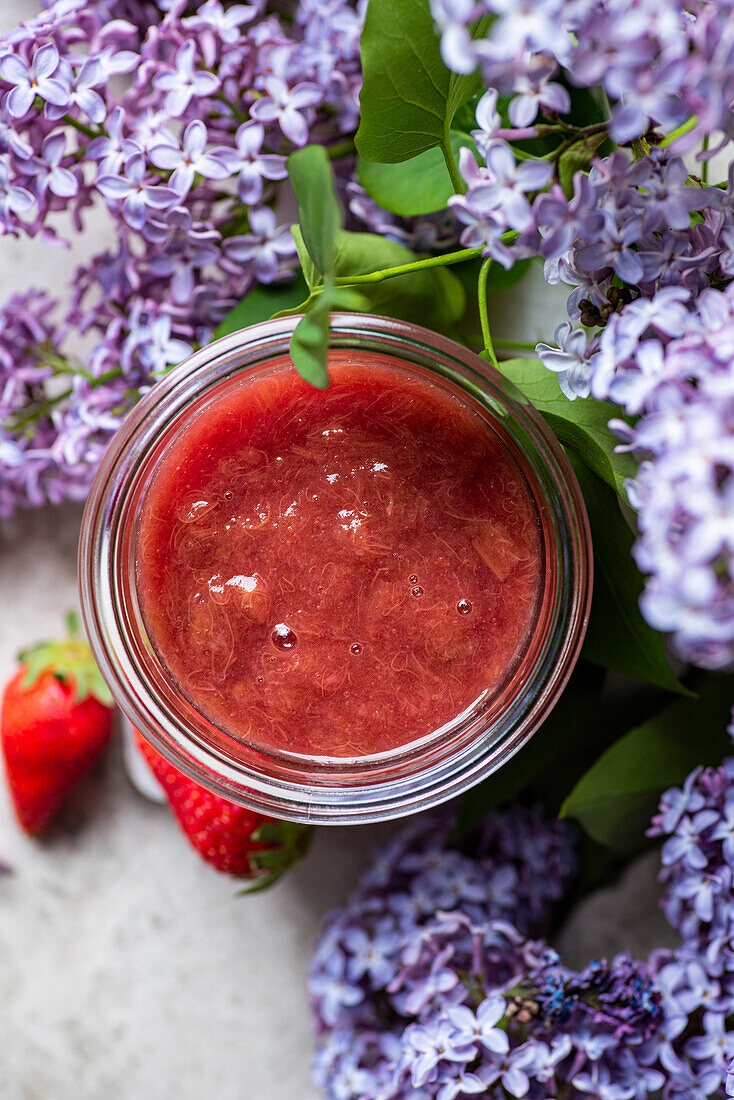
column 70, row 661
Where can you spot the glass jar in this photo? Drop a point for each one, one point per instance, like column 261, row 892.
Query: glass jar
column 334, row 790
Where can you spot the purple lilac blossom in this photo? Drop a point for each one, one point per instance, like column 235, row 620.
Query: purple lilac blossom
column 173, row 163
column 411, row 1000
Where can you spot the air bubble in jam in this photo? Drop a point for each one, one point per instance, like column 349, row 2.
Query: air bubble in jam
column 283, row 637
column 253, row 605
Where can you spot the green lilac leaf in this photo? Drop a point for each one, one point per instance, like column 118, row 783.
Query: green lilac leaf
column 618, row 637
column 580, row 425
column 261, row 303
column 409, row 97
column 310, row 274
column 320, row 214
column 617, row 796
column 562, row 744
column 310, row 343
column 414, row 187
column 434, row 297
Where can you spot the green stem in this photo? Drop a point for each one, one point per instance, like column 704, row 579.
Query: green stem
column 448, row 155
column 579, row 135
column 705, row 165
column 416, row 265
column 684, row 129
column 483, row 313
column 82, row 127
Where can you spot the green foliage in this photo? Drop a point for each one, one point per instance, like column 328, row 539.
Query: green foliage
column 409, row 98
column 414, row 187
column 618, row 637
column 580, row 425
column 310, row 343
column 432, row 297
column 616, row 797
column 319, row 211
column 561, row 744
column 262, row 303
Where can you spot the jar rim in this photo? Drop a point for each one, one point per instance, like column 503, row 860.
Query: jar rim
column 410, row 777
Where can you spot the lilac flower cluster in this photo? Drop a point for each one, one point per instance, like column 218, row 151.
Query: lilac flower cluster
column 663, row 352
column 658, row 61
column 644, row 245
column 178, row 118
column 697, row 821
column 422, row 988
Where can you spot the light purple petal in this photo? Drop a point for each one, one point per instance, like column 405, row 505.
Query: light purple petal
column 13, row 69
column 92, row 104
column 63, row 183
column 205, row 83
column 305, row 95
column 182, row 179
column 534, row 174
column 178, row 99
column 20, row 200
column 133, row 210
column 250, row 137
column 194, row 138
column 113, row 187
column 19, row 101
column 54, row 147
column 55, row 92
column 182, row 285
column 294, row 126
column 45, row 62
column 265, row 110
column 212, row 168
column 628, row 266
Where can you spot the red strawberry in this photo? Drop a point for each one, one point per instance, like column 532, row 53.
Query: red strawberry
column 56, row 718
column 233, row 839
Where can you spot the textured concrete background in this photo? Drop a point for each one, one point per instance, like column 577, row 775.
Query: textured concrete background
column 128, row 969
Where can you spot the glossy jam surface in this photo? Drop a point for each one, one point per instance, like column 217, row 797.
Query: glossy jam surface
column 340, row 572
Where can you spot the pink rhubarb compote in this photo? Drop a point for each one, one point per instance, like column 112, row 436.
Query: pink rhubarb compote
column 338, row 573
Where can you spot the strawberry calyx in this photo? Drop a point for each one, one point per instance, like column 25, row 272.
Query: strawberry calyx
column 287, row 842
column 70, row 662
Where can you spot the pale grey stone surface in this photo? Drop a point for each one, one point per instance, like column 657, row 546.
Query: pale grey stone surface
column 128, row 968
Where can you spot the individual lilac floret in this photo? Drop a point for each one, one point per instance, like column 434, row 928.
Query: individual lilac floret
column 191, row 158
column 48, row 172
column 286, row 106
column 38, row 79
column 83, row 94
column 226, row 24
column 570, row 360
column 13, row 200
column 251, row 164
column 267, row 246
column 185, row 82
column 137, row 193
